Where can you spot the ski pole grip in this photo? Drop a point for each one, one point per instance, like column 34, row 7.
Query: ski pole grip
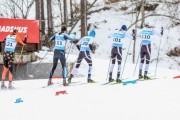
column 133, row 33
column 162, row 31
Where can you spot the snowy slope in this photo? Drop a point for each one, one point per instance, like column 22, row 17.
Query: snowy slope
column 108, row 20
column 148, row 100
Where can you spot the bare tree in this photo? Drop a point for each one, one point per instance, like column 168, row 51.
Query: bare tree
column 65, row 13
column 83, row 18
column 37, row 9
column 142, row 12
column 71, row 11
column 49, row 18
column 60, row 9
column 42, row 18
column 23, row 6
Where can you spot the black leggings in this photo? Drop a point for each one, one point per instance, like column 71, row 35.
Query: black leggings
column 8, row 59
column 84, row 55
column 58, row 55
column 116, row 52
column 145, row 53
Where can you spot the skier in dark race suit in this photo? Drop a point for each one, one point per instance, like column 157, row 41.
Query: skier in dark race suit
column 85, row 46
column 145, row 52
column 119, row 36
column 59, row 53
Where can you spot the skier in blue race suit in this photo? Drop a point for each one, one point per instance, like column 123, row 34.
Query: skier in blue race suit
column 59, row 53
column 145, row 51
column 85, row 46
column 118, row 37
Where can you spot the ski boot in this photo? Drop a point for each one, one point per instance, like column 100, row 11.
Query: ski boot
column 89, row 80
column 140, row 76
column 118, row 80
column 64, row 82
column 10, row 85
column 49, row 82
column 110, row 78
column 146, row 77
column 69, row 79
column 3, row 85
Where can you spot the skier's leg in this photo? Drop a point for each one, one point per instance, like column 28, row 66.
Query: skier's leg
column 119, row 58
column 64, row 70
column 5, row 69
column 113, row 58
column 78, row 63
column 89, row 61
column 55, row 62
column 148, row 57
column 142, row 56
column 10, row 73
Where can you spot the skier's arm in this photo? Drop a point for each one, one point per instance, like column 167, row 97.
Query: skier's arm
column 72, row 37
column 52, row 38
column 25, row 38
column 156, row 33
column 92, row 48
column 18, row 39
column 78, row 45
column 112, row 33
column 138, row 33
column 129, row 36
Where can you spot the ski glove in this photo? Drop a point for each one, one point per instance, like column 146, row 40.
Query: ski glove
column 162, row 31
column 78, row 47
column 133, row 34
column 25, row 38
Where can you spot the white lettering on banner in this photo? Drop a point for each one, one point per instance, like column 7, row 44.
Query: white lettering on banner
column 11, row 28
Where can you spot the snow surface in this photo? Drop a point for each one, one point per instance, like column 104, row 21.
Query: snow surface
column 147, row 100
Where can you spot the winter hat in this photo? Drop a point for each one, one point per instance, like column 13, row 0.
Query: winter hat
column 92, row 33
column 123, row 27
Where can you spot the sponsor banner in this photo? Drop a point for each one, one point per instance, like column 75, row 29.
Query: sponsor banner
column 30, row 27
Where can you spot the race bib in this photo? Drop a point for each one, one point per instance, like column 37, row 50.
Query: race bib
column 10, row 44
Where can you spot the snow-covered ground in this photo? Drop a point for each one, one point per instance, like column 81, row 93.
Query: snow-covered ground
column 108, row 20
column 147, row 100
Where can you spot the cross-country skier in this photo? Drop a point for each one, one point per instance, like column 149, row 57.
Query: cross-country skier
column 59, row 53
column 145, row 52
column 118, row 37
column 85, row 45
column 8, row 56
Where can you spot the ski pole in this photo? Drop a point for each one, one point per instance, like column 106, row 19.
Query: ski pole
column 20, row 57
column 162, row 30
column 69, row 50
column 125, row 60
column 137, row 61
column 18, row 62
column 31, row 75
column 108, row 69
